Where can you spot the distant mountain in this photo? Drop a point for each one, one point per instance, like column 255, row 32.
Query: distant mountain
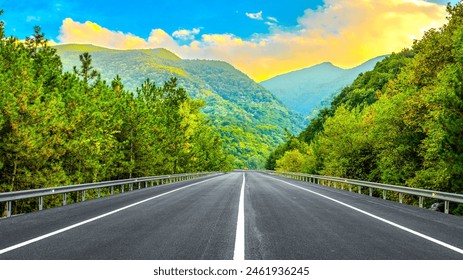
column 314, row 87
column 250, row 119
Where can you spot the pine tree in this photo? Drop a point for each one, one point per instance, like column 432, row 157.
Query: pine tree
column 86, row 71
column 2, row 27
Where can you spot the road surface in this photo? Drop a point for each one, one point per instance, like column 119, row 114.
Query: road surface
column 238, row 215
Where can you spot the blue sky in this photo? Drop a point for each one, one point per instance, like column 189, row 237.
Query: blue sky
column 139, row 17
column 262, row 38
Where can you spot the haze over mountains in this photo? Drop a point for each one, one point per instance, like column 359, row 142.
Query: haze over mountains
column 314, row 87
column 251, row 120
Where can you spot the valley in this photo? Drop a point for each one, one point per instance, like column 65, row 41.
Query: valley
column 251, row 121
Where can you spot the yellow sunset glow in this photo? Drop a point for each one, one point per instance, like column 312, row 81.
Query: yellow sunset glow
column 344, row 32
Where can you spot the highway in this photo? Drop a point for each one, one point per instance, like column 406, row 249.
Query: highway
column 238, row 215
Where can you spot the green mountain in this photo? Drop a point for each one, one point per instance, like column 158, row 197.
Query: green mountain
column 250, row 119
column 313, row 88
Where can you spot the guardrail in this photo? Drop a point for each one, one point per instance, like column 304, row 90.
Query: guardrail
column 137, row 183
column 401, row 190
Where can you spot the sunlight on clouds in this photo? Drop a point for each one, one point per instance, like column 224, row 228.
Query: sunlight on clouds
column 225, row 40
column 92, row 33
column 344, row 32
column 159, row 37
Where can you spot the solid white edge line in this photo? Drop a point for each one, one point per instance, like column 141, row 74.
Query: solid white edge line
column 239, row 236
column 446, row 245
column 25, row 243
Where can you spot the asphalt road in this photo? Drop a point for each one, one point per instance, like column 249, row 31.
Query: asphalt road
column 219, row 218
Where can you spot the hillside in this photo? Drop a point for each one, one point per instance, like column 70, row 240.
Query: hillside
column 314, row 87
column 250, row 119
column 401, row 123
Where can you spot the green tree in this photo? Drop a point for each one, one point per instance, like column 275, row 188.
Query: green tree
column 2, row 26
column 86, row 71
column 57, row 129
column 344, row 146
column 292, row 161
column 32, row 128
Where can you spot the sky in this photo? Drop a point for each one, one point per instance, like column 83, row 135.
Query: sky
column 262, row 38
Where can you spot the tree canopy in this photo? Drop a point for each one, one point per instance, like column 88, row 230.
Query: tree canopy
column 67, row 128
column 401, row 123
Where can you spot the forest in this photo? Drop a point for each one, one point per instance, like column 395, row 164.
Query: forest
column 250, row 120
column 60, row 128
column 401, row 123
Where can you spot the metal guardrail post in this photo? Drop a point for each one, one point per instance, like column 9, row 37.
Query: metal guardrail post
column 9, row 197
column 40, row 203
column 400, row 190
column 8, row 209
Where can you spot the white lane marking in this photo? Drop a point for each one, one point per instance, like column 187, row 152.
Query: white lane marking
column 446, row 245
column 239, row 236
column 25, row 243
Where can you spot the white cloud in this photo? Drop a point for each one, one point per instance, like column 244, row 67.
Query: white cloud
column 344, row 32
column 32, row 18
column 272, row 19
column 256, row 16
column 185, row 34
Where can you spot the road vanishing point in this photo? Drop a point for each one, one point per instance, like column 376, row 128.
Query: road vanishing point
column 241, row 215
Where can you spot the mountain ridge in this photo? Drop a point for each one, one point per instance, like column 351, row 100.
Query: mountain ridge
column 251, row 120
column 311, row 88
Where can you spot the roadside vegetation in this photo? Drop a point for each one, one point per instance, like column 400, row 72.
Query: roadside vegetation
column 62, row 128
column 401, row 123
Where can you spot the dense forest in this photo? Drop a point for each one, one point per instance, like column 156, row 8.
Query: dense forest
column 401, row 123
column 250, row 120
column 61, row 128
